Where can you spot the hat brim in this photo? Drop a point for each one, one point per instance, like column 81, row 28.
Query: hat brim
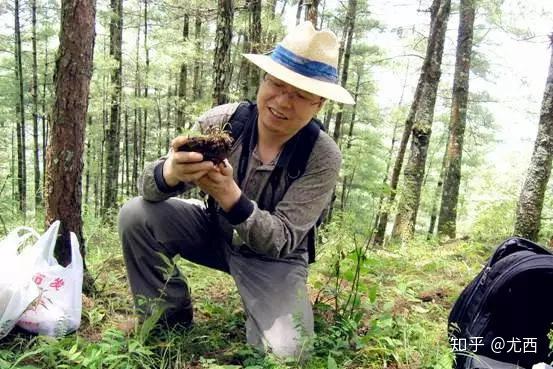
column 324, row 89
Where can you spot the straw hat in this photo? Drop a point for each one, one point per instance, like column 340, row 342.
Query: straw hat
column 306, row 59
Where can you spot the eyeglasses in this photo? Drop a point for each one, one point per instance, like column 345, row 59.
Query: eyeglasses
column 280, row 87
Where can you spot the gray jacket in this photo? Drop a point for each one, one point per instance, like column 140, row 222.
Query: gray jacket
column 282, row 233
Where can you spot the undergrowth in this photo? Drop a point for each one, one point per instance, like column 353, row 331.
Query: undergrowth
column 374, row 308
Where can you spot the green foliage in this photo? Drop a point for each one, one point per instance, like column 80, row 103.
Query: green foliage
column 114, row 350
column 495, row 221
column 369, row 310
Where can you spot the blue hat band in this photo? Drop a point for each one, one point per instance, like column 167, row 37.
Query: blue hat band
column 304, row 66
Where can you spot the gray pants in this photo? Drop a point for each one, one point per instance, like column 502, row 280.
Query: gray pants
column 274, row 292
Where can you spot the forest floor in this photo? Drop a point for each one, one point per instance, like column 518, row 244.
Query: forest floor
column 397, row 319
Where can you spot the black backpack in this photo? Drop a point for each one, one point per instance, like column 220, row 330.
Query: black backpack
column 506, row 312
column 292, row 160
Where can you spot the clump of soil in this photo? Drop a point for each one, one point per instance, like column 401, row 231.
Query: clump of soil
column 214, row 145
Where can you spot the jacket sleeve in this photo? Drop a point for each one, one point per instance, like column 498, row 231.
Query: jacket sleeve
column 152, row 186
column 278, row 233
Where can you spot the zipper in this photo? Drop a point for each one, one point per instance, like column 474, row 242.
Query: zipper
column 504, row 276
column 463, row 308
column 484, row 277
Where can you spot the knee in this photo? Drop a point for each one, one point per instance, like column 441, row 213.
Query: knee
column 131, row 216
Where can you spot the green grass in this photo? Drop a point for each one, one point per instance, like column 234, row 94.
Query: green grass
column 397, row 321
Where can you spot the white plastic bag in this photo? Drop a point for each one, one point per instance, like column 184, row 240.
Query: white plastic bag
column 17, row 290
column 57, row 310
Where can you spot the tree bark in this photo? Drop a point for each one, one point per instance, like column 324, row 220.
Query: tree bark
column 44, row 115
column 144, row 134
column 354, row 108
column 255, row 45
column 159, row 125
column 398, row 164
column 348, row 179
column 183, row 75
column 221, row 58
column 34, row 93
column 345, row 43
column 312, row 12
column 447, row 222
column 114, row 128
column 349, row 31
column 99, row 204
column 404, row 225
column 196, row 85
column 269, row 37
column 126, row 151
column 64, row 157
column 20, row 112
column 89, row 161
column 244, row 70
column 298, row 12
column 437, row 194
column 137, row 121
column 530, row 202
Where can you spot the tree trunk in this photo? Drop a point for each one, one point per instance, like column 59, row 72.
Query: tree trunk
column 312, row 12
column 269, row 36
column 44, row 116
column 348, row 179
column 183, row 75
column 168, row 135
column 346, row 38
column 330, row 105
column 159, row 125
column 530, row 202
column 404, row 225
column 105, row 124
column 398, row 164
column 243, row 71
column 379, row 226
column 64, row 159
column 114, row 128
column 255, row 45
column 89, row 161
column 20, row 112
column 349, row 30
column 196, row 84
column 137, row 121
column 144, row 133
column 437, row 194
column 298, row 12
column 221, row 59
column 354, row 109
column 447, row 223
column 13, row 163
column 322, row 17
column 382, row 207
column 126, row 150
column 248, row 76
column 34, row 92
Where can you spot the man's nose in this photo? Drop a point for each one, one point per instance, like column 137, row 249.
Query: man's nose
column 285, row 98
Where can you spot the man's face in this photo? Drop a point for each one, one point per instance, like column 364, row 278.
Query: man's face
column 284, row 109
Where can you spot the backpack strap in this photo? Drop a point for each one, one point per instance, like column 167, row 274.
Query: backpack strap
column 297, row 168
column 299, row 149
column 240, row 123
column 243, row 123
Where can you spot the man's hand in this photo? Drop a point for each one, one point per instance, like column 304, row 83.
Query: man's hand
column 184, row 166
column 220, row 184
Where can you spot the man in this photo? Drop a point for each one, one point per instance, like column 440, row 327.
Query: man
column 256, row 231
